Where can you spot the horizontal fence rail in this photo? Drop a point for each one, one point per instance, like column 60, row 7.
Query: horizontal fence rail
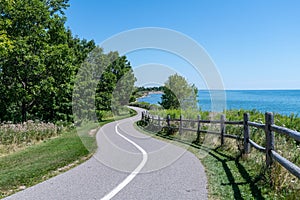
column 269, row 128
column 257, row 125
column 293, row 134
column 291, row 167
column 258, row 147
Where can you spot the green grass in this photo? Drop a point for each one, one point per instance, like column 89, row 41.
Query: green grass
column 48, row 158
column 14, row 137
column 39, row 162
column 232, row 176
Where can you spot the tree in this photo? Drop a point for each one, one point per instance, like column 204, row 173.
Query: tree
column 37, row 74
column 122, row 94
column 116, row 84
column 85, row 85
column 104, row 83
column 179, row 94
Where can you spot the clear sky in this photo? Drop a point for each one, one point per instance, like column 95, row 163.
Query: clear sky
column 255, row 44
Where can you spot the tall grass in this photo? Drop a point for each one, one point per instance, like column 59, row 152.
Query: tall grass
column 15, row 136
column 36, row 163
column 277, row 177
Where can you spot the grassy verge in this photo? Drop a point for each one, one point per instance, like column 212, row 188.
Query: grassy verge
column 230, row 175
column 41, row 161
column 48, row 158
column 15, row 137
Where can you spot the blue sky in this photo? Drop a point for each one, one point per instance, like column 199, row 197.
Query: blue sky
column 254, row 44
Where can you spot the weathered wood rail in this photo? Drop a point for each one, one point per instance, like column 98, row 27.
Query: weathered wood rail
column 269, row 128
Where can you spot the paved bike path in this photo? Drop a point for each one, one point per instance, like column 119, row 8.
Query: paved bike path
column 127, row 165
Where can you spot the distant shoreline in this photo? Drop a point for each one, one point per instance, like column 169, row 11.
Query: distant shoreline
column 149, row 93
column 155, row 92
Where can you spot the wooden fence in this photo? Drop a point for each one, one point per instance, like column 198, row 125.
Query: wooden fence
column 269, row 128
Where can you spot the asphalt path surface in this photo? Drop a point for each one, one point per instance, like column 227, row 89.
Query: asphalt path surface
column 127, row 165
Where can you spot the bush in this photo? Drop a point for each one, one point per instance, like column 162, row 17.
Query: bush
column 172, row 130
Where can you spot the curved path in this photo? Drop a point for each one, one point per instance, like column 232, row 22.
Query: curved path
column 127, row 165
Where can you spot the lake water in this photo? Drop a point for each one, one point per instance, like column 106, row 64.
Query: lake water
column 284, row 102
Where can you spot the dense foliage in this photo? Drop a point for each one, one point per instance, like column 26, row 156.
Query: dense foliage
column 149, row 89
column 115, row 86
column 39, row 60
column 104, row 83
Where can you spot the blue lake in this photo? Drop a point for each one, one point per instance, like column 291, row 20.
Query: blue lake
column 284, row 102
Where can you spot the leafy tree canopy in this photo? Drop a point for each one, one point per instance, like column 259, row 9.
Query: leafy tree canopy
column 39, row 59
column 178, row 93
column 104, row 83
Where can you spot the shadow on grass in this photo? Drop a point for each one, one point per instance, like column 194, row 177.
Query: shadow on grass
column 224, row 159
column 256, row 193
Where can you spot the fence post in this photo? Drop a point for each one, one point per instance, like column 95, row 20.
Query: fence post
column 142, row 119
column 158, row 121
column 180, row 125
column 168, row 121
column 247, row 146
column 270, row 139
column 198, row 129
column 222, row 129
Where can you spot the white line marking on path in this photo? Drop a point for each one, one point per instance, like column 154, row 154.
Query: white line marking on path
column 131, row 176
